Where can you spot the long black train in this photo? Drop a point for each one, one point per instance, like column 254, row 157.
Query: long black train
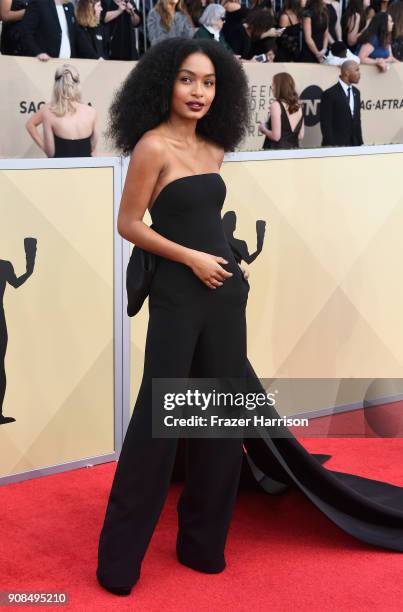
column 201, row 332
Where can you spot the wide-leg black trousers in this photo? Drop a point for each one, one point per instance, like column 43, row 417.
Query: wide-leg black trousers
column 200, row 338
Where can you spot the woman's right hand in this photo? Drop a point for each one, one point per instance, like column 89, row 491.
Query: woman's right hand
column 207, row 268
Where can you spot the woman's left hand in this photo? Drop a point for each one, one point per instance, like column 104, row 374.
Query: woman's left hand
column 244, row 271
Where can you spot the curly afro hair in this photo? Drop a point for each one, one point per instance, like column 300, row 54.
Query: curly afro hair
column 144, row 99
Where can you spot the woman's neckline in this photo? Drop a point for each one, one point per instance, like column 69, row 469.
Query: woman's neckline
column 181, row 178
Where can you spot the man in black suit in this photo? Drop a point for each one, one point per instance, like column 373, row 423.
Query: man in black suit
column 49, row 29
column 340, row 110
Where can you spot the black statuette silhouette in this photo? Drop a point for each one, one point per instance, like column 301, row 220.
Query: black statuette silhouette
column 239, row 247
column 7, row 275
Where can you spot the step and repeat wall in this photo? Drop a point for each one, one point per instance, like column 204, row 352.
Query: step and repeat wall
column 325, row 295
column 57, row 334
column 325, row 298
column 26, row 84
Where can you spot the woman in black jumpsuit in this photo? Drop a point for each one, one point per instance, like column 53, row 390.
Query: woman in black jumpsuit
column 194, row 328
column 189, row 322
column 197, row 325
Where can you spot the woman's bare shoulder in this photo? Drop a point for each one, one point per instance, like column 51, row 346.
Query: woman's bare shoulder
column 152, row 141
column 216, row 150
column 45, row 108
column 150, row 149
column 46, row 112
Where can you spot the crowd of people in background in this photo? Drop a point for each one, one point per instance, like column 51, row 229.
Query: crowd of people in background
column 69, row 127
column 344, row 33
column 314, row 31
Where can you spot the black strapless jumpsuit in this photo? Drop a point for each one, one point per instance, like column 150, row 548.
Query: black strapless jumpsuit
column 189, row 324
column 202, row 331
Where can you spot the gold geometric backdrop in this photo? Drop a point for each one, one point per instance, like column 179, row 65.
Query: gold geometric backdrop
column 326, row 296
column 59, row 359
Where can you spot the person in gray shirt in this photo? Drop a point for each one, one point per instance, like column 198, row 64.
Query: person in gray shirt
column 167, row 19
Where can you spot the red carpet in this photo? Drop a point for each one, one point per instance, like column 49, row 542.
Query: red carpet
column 384, row 420
column 282, row 553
